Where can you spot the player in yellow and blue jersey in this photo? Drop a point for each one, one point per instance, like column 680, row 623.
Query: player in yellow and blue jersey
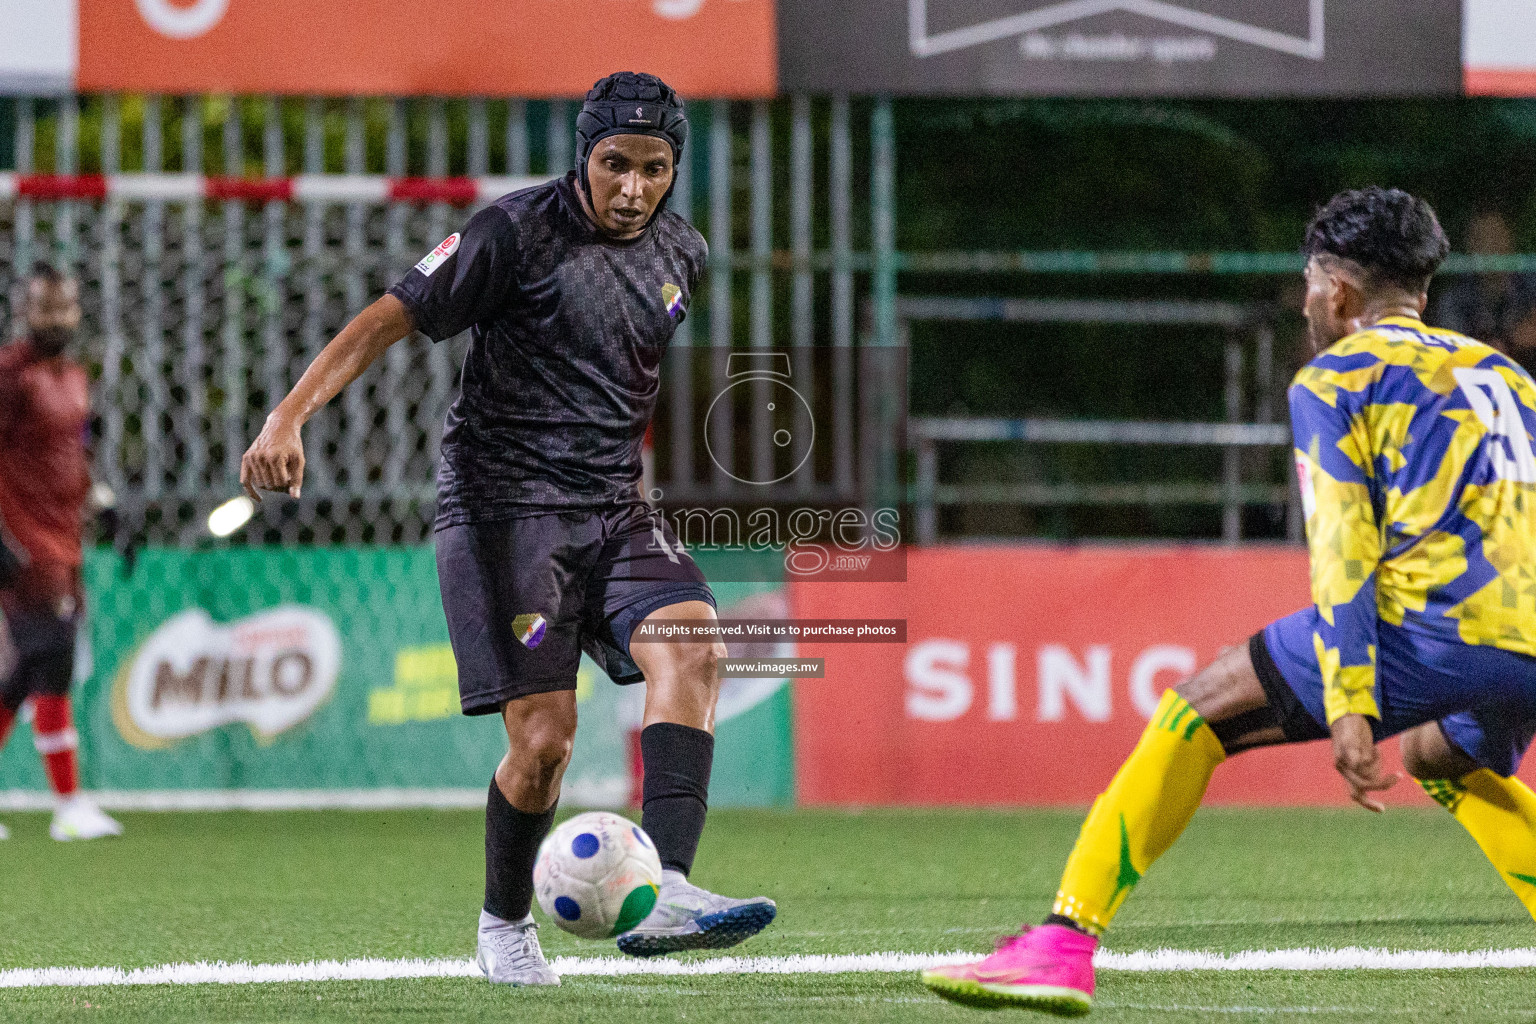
column 1414, row 454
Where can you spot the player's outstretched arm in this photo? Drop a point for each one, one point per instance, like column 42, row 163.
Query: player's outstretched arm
column 275, row 460
column 1344, row 542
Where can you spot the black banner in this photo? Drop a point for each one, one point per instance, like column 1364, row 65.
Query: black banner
column 1122, row 47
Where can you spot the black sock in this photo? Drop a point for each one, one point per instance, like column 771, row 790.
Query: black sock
column 512, row 839
column 676, row 790
column 1066, row 922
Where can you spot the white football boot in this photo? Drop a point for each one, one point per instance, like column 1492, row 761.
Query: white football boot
column 5, row 833
column 687, row 917
column 509, row 954
column 78, row 817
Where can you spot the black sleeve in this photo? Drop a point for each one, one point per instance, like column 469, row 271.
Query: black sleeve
column 465, row 280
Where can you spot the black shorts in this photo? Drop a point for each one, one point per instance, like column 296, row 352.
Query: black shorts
column 524, row 597
column 42, row 611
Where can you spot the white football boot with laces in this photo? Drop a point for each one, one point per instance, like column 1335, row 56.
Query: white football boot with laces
column 687, row 917
column 509, row 953
column 78, row 817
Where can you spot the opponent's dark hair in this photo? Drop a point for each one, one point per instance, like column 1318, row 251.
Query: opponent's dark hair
column 629, row 103
column 1395, row 237
column 44, row 272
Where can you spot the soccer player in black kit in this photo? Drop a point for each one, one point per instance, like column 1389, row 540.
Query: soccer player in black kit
column 571, row 291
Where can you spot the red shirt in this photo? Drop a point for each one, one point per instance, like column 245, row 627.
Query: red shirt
column 45, row 408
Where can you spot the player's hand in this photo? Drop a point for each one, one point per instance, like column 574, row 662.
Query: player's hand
column 1356, row 758
column 274, row 461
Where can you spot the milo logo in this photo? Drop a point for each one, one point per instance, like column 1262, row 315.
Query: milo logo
column 270, row 671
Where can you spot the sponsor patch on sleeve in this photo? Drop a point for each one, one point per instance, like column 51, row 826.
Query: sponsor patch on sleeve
column 437, row 257
column 1304, row 479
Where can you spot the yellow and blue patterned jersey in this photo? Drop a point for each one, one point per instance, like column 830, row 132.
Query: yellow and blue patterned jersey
column 1414, row 455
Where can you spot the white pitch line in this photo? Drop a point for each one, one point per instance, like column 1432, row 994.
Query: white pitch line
column 1350, row 958
column 596, row 795
column 1160, row 960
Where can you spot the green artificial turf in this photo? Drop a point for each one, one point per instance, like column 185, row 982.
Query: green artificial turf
column 275, row 887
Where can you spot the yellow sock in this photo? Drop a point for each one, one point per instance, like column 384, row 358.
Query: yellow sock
column 1501, row 815
column 1138, row 817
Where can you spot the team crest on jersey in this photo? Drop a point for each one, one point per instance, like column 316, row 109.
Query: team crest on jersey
column 529, row 629
column 437, row 257
column 672, row 295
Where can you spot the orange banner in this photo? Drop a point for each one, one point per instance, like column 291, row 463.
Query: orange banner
column 724, row 48
column 1029, row 672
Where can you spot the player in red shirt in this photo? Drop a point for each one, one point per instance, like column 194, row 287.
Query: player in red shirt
column 45, row 479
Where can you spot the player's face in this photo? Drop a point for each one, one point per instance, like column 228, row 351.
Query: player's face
column 629, row 175
column 53, row 315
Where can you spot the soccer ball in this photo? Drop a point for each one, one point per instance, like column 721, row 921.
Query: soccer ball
column 597, row 875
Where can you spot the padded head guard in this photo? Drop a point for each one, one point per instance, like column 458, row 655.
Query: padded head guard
column 629, row 103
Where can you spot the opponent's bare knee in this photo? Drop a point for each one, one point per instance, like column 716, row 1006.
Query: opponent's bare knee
column 541, row 731
column 1227, row 693
column 698, row 665
column 682, row 676
column 545, row 749
column 1226, row 687
column 1427, row 754
column 682, row 682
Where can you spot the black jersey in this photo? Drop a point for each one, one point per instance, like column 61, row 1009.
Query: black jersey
column 567, row 332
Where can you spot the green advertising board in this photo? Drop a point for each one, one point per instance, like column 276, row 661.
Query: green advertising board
column 328, row 670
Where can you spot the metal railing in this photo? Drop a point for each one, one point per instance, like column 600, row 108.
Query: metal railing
column 926, row 434
column 928, row 495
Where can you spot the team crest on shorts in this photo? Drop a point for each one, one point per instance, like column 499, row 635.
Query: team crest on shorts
column 529, row 628
column 672, row 295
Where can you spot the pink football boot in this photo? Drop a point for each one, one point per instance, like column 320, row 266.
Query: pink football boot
column 1049, row 968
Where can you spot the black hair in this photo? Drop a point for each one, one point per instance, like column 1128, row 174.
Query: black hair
column 629, row 103
column 1395, row 237
column 44, row 272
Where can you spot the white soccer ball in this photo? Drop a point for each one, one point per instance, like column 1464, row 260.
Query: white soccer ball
column 597, row 875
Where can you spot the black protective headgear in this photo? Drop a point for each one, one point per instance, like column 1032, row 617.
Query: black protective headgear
column 629, row 103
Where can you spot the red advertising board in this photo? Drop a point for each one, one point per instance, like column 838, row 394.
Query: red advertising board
column 1029, row 672
column 449, row 48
